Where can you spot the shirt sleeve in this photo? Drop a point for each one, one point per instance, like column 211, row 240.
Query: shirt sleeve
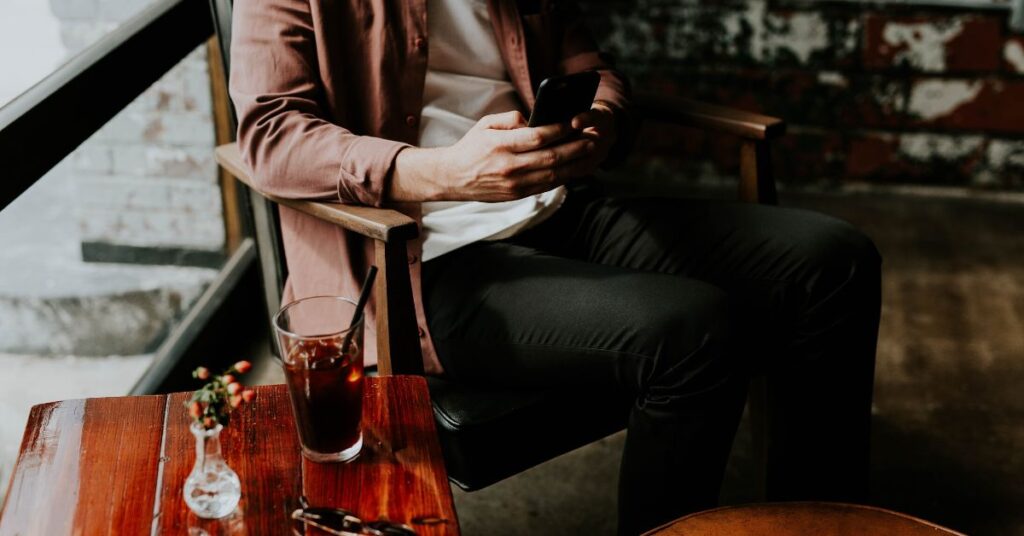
column 291, row 149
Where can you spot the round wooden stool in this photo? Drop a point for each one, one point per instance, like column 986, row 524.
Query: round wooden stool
column 800, row 519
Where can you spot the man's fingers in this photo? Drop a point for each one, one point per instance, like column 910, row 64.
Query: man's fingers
column 582, row 167
column 535, row 182
column 503, row 121
column 584, row 120
column 522, row 140
column 553, row 156
column 542, row 180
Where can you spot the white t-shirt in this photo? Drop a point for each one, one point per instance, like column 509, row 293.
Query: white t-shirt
column 466, row 80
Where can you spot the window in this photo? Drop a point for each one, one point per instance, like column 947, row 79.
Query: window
column 106, row 255
column 38, row 36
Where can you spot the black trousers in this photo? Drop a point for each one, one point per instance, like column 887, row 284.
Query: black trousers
column 679, row 302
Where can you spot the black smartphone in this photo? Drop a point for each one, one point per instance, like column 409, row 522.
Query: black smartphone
column 560, row 98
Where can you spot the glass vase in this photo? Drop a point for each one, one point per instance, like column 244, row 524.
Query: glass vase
column 212, row 489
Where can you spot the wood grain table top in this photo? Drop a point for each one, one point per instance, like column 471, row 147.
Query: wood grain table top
column 118, row 466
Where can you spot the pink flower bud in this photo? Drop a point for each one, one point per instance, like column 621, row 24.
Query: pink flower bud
column 203, row 373
column 248, row 395
column 234, row 388
column 236, row 400
column 243, row 366
column 195, row 410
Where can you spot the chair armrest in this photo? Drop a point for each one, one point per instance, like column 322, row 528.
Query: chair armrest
column 382, row 224
column 686, row 112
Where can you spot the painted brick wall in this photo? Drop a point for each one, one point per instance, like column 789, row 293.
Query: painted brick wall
column 147, row 179
column 909, row 95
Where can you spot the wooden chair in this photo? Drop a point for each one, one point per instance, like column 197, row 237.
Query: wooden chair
column 800, row 519
column 486, row 434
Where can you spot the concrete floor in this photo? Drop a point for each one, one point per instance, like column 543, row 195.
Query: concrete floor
column 948, row 439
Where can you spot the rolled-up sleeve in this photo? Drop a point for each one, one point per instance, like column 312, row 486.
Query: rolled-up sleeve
column 291, row 149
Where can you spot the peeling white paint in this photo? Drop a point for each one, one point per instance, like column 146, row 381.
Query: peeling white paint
column 753, row 17
column 925, row 43
column 931, row 99
column 628, row 37
column 927, row 147
column 833, row 78
column 803, row 34
column 1013, row 53
column 889, row 95
column 1001, row 157
column 1005, row 153
column 800, row 34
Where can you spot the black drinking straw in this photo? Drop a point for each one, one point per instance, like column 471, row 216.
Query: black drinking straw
column 358, row 315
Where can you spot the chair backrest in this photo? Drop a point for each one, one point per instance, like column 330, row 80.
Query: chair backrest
column 265, row 221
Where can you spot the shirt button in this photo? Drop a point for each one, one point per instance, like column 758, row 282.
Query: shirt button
column 413, row 259
column 423, row 332
column 420, row 43
column 410, row 120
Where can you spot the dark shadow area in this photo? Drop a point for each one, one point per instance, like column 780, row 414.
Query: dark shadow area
column 948, row 404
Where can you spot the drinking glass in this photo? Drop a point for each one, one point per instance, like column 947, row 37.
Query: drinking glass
column 325, row 384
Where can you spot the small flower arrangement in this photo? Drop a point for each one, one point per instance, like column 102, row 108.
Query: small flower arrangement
column 213, row 403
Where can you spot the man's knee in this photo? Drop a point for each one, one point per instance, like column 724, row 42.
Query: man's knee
column 840, row 253
column 841, row 297
column 686, row 332
column 860, row 248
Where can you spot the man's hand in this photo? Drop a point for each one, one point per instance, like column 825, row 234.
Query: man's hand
column 499, row 159
column 598, row 125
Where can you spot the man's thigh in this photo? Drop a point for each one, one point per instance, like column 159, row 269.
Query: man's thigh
column 512, row 315
column 773, row 263
column 725, row 243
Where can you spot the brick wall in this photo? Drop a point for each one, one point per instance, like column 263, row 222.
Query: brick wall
column 146, row 182
column 880, row 94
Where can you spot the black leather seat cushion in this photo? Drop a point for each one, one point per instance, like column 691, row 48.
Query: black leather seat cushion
column 490, row 434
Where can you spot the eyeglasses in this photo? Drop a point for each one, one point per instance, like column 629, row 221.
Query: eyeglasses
column 341, row 522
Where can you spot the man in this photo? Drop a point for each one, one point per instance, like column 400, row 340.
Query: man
column 522, row 277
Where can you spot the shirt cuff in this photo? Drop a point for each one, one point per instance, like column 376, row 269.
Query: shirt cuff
column 365, row 171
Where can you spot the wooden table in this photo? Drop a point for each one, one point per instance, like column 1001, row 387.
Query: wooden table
column 118, row 466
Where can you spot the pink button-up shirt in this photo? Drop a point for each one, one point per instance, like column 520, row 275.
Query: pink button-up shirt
column 327, row 92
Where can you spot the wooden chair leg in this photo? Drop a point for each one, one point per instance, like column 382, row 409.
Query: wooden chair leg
column 756, row 182
column 398, row 345
column 758, row 186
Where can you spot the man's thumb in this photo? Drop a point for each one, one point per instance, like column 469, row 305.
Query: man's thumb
column 503, row 121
